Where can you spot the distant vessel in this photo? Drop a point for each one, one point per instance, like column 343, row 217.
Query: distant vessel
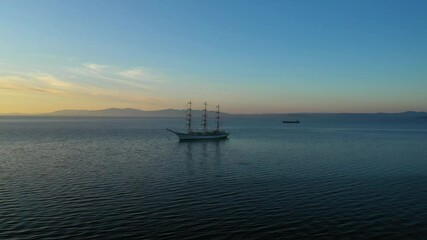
column 205, row 134
column 294, row 121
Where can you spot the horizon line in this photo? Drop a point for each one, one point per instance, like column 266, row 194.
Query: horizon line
column 271, row 113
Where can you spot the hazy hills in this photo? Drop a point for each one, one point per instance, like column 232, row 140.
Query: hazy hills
column 409, row 116
column 125, row 112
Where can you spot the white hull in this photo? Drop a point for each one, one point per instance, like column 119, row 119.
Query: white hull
column 183, row 136
column 200, row 136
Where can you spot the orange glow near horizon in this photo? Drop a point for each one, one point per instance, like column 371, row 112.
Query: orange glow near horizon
column 106, row 87
column 37, row 103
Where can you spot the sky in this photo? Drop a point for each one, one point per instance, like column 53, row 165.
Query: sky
column 272, row 56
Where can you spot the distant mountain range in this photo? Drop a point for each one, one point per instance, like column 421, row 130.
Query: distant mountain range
column 409, row 116
column 125, row 112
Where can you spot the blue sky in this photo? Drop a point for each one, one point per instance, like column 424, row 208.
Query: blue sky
column 249, row 56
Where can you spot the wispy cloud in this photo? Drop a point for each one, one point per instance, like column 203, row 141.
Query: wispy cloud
column 134, row 73
column 81, row 86
column 132, row 77
column 48, row 84
column 51, row 81
column 35, row 82
column 98, row 68
column 140, row 74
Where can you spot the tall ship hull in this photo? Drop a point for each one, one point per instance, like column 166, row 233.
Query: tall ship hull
column 202, row 135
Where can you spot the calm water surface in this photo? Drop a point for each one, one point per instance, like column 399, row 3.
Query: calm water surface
column 85, row 178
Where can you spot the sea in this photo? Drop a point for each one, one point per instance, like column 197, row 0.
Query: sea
column 129, row 178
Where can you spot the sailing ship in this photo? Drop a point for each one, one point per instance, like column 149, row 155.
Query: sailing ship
column 205, row 134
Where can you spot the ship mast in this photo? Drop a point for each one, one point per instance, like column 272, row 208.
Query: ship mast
column 189, row 117
column 217, row 117
column 205, row 118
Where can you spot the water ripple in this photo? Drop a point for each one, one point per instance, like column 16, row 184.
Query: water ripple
column 122, row 178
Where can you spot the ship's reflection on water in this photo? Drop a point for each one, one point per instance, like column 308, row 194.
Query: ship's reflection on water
column 204, row 153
